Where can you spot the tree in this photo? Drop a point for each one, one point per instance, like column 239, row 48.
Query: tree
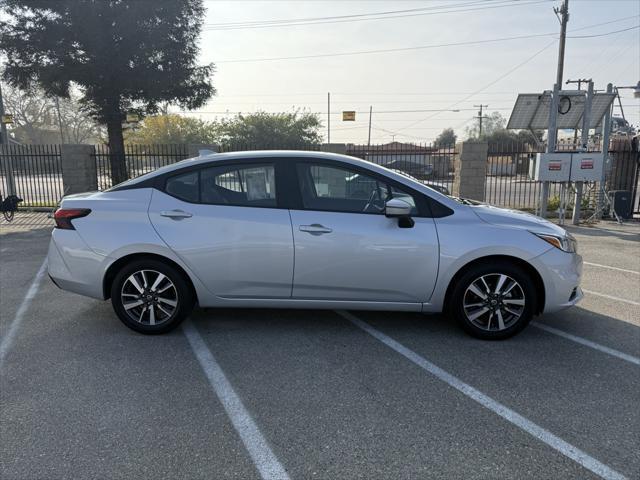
column 446, row 137
column 36, row 119
column 77, row 124
column 123, row 55
column 173, row 128
column 32, row 115
column 271, row 130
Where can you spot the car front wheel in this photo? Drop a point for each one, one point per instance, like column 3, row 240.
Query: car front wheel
column 151, row 297
column 494, row 301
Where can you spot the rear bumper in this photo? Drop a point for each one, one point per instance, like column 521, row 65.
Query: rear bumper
column 73, row 266
column 561, row 273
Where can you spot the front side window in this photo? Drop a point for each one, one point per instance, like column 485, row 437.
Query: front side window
column 240, row 185
column 342, row 190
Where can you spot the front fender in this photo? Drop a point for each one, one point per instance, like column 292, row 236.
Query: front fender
column 463, row 239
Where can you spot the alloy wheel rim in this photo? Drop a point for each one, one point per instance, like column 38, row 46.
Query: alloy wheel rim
column 149, row 297
column 494, row 302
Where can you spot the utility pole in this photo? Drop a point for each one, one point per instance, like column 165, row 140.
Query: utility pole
column 328, row 117
column 480, row 117
column 370, row 112
column 4, row 143
column 563, row 16
column 552, row 132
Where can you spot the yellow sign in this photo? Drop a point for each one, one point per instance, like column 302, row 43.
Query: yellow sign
column 7, row 118
column 349, row 116
column 133, row 117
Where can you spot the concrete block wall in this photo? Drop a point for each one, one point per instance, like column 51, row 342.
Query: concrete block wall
column 471, row 170
column 79, row 169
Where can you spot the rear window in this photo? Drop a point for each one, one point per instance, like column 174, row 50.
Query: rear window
column 185, row 186
column 240, row 185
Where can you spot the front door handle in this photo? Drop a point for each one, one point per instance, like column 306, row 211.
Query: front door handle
column 315, row 229
column 175, row 214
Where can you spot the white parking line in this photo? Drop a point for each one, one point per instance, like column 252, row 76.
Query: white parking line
column 263, row 458
column 588, row 343
column 7, row 339
column 611, row 268
column 503, row 411
column 610, row 297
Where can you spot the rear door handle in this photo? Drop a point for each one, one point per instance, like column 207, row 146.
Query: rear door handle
column 175, row 214
column 315, row 229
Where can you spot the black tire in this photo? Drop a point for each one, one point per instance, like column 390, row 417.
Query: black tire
column 527, row 292
column 180, row 292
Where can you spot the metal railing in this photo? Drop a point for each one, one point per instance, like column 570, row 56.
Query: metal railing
column 430, row 164
column 38, row 177
column 244, row 147
column 139, row 159
column 623, row 171
column 36, row 174
column 510, row 183
column 509, row 180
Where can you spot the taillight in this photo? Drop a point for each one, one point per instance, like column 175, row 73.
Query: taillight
column 63, row 216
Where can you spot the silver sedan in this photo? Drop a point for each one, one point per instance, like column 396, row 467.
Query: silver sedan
column 290, row 229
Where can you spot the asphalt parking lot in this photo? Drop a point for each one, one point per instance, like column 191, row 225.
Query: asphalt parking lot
column 296, row 394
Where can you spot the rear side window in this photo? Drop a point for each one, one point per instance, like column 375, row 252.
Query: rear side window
column 240, row 185
column 185, row 187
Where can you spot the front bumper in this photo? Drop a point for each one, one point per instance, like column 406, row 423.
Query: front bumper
column 561, row 273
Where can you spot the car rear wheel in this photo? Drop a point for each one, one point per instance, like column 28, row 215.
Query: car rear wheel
column 150, row 296
column 494, row 301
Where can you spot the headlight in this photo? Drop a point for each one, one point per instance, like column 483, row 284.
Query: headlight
column 565, row 243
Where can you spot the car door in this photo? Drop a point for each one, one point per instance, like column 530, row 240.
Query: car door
column 347, row 249
column 227, row 225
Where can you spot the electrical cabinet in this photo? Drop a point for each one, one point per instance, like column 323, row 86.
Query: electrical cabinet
column 567, row 167
column 586, row 167
column 552, row 167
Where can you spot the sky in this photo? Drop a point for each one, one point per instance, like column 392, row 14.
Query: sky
column 412, row 92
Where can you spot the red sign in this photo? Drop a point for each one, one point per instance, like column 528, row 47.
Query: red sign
column 586, row 165
column 555, row 166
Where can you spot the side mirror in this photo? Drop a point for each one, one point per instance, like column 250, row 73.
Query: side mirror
column 396, row 208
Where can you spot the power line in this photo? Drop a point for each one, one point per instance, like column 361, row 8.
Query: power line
column 604, row 34
column 316, row 94
column 507, row 73
column 338, row 17
column 388, row 50
column 229, row 112
column 404, row 49
column 366, row 17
